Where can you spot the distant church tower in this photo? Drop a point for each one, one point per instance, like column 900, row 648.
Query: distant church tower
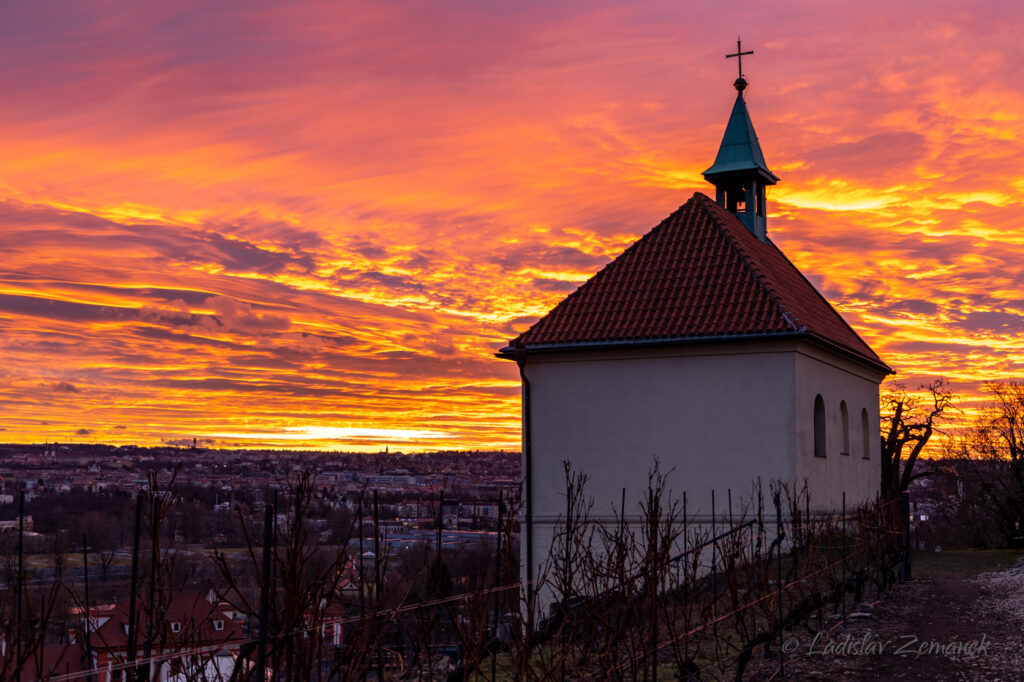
column 704, row 346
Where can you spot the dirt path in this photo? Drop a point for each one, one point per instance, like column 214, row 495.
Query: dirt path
column 946, row 628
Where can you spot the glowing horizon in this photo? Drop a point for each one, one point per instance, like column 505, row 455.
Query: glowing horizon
column 312, row 225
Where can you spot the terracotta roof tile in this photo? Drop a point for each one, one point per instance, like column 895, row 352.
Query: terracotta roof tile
column 698, row 274
column 191, row 610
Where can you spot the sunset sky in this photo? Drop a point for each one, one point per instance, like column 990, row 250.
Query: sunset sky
column 313, row 223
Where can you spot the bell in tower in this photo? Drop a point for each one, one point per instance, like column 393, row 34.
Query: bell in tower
column 740, row 174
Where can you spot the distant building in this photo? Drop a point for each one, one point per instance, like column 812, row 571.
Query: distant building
column 11, row 526
column 191, row 638
column 65, row 661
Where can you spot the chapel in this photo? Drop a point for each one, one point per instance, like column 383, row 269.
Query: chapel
column 704, row 347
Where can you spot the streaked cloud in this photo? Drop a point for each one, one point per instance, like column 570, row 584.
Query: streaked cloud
column 313, row 223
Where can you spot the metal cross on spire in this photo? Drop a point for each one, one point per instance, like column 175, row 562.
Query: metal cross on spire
column 739, row 54
column 741, row 82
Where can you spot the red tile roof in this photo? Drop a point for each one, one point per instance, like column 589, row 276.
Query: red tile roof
column 190, row 610
column 48, row 662
column 699, row 274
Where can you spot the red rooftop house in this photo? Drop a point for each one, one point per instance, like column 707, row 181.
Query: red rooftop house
column 189, row 639
column 703, row 346
column 50, row 661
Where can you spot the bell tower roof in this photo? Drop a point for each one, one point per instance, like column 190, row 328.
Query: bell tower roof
column 740, row 151
column 739, row 173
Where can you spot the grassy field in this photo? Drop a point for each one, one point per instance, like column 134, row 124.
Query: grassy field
column 963, row 562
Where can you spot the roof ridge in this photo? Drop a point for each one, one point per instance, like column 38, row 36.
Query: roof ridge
column 759, row 276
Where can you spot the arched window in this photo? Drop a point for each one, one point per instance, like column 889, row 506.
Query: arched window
column 845, row 419
column 819, row 426
column 865, row 433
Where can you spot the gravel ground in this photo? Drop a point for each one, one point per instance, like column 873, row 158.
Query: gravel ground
column 947, row 628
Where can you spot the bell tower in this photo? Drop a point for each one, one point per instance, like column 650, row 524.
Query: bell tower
column 739, row 173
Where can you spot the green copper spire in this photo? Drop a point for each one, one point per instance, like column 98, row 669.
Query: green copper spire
column 740, row 150
column 739, row 173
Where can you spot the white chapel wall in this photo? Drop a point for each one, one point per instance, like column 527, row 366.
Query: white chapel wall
column 837, row 380
column 720, row 417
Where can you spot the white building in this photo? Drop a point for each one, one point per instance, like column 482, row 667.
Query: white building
column 702, row 346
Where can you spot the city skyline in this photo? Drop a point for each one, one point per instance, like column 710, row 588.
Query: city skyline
column 313, row 225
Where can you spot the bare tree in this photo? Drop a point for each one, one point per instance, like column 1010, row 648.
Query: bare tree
column 909, row 421
column 985, row 465
column 305, row 595
column 1006, row 422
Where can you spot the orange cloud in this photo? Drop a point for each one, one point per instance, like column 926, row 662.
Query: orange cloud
column 312, row 224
